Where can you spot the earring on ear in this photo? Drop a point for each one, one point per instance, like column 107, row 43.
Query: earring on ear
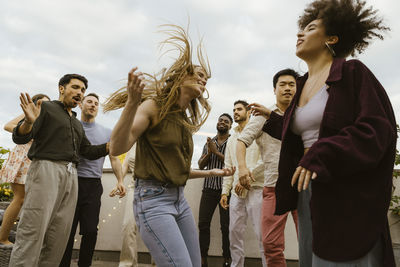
column 208, row 94
column 301, row 69
column 330, row 49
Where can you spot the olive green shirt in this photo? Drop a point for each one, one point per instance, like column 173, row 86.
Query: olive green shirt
column 164, row 152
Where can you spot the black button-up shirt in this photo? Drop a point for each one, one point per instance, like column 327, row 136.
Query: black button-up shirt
column 58, row 136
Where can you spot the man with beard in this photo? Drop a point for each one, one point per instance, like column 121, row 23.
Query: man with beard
column 51, row 184
column 272, row 226
column 90, row 188
column 243, row 203
column 213, row 157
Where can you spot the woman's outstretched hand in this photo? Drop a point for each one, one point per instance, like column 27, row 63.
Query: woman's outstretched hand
column 135, row 85
column 223, row 171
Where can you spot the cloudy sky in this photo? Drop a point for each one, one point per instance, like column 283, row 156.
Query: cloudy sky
column 246, row 42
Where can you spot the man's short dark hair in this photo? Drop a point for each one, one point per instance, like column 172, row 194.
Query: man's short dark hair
column 243, row 102
column 290, row 72
column 226, row 115
column 91, row 94
column 68, row 77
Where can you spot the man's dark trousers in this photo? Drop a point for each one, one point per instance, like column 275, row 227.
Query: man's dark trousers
column 87, row 214
column 209, row 201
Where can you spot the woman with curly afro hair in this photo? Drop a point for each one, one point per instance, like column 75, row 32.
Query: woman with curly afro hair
column 338, row 141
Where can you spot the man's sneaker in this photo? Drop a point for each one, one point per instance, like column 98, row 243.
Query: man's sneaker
column 204, row 262
column 227, row 263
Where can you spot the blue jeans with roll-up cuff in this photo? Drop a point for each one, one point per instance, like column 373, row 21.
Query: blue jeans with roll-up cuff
column 166, row 224
column 305, row 228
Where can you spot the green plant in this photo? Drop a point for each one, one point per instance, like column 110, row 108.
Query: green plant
column 395, row 202
column 3, row 153
column 6, row 194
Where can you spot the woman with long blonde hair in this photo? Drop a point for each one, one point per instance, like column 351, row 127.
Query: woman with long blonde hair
column 160, row 114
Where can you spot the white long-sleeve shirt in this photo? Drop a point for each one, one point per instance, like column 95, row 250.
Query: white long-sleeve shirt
column 253, row 161
column 269, row 147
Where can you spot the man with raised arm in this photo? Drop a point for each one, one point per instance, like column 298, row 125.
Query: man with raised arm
column 272, row 226
column 51, row 185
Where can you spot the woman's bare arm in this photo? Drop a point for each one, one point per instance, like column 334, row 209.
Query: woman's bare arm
column 135, row 117
column 213, row 172
column 9, row 126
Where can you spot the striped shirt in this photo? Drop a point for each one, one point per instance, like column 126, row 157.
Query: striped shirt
column 214, row 182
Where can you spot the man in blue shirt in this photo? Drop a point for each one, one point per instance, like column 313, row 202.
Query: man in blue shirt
column 90, row 187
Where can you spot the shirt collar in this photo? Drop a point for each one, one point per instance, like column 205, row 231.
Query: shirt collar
column 63, row 106
column 88, row 124
column 276, row 109
column 215, row 139
column 335, row 73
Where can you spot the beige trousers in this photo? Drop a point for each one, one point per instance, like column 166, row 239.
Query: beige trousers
column 128, row 257
column 51, row 193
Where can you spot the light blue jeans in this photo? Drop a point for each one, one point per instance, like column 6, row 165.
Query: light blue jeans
column 374, row 258
column 305, row 228
column 306, row 256
column 166, row 224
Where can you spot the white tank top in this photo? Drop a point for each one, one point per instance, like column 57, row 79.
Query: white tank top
column 307, row 119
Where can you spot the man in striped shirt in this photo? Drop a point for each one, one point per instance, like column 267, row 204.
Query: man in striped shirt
column 213, row 157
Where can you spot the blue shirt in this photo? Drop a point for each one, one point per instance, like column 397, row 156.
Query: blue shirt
column 96, row 134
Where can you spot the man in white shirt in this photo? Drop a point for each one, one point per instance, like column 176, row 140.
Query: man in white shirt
column 243, row 203
column 272, row 226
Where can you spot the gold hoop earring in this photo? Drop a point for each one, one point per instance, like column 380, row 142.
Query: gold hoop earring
column 300, row 68
column 208, row 94
column 330, row 49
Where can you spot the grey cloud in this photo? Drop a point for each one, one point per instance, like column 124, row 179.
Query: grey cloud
column 246, row 42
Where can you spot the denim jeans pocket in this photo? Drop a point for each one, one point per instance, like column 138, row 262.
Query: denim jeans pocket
column 149, row 192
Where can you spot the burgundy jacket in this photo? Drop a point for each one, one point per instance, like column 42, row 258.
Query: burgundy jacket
column 353, row 158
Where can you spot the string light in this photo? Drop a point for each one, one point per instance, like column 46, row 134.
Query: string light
column 114, row 208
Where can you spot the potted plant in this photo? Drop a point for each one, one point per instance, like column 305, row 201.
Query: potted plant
column 394, row 215
column 395, row 202
column 6, row 193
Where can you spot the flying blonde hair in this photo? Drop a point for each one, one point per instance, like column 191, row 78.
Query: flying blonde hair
column 163, row 87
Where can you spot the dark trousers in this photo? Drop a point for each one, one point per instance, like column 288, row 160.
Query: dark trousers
column 209, row 201
column 87, row 215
